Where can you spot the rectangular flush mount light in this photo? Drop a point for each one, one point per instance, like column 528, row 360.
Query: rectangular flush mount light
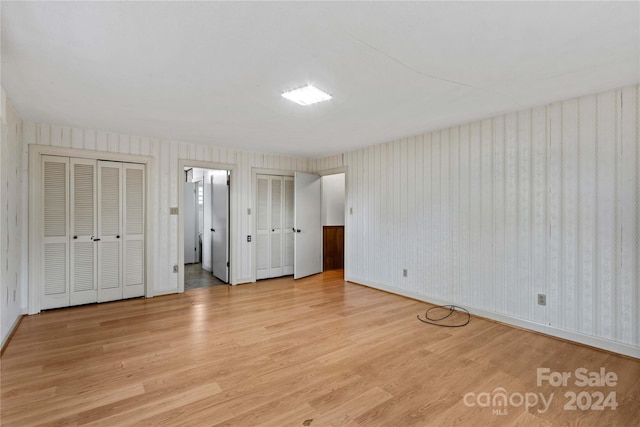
column 306, row 95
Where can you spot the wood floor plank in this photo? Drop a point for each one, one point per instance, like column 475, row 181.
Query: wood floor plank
column 316, row 352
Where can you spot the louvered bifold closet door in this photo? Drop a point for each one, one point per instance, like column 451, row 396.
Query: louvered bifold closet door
column 55, row 232
column 287, row 260
column 276, row 226
column 263, row 227
column 109, row 231
column 83, row 218
column 133, row 230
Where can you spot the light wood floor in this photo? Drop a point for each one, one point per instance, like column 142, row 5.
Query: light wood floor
column 315, row 352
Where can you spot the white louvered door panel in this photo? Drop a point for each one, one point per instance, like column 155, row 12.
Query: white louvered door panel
column 83, row 259
column 133, row 230
column 288, row 226
column 263, row 230
column 275, row 184
column 55, row 227
column 109, row 231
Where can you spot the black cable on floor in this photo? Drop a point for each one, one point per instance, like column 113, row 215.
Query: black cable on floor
column 452, row 309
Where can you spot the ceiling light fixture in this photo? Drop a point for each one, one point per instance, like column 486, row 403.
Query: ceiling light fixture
column 306, row 95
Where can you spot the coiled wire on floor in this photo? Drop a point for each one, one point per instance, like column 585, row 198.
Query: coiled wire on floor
column 437, row 321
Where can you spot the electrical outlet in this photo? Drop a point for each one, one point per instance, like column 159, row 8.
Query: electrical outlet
column 175, row 268
column 248, row 211
column 173, row 211
column 350, row 211
column 249, row 238
column 542, row 299
column 14, row 295
column 404, row 272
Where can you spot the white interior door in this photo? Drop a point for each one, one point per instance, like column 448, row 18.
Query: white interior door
column 190, row 223
column 220, row 225
column 275, row 237
column 109, row 231
column 288, row 228
column 307, row 240
column 207, row 234
column 263, row 227
column 55, row 229
column 133, row 231
column 83, row 257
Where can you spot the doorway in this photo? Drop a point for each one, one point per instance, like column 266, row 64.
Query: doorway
column 333, row 220
column 206, row 227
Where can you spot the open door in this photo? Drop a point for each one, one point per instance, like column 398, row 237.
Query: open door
column 307, row 242
column 207, row 235
column 220, row 225
column 190, row 223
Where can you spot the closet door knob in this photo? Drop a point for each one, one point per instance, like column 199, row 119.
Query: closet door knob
column 75, row 237
column 117, row 237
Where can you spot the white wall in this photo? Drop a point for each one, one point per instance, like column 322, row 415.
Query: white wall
column 12, row 218
column 485, row 215
column 489, row 214
column 333, row 199
column 165, row 181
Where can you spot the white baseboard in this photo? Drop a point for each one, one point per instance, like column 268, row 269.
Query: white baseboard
column 11, row 331
column 605, row 344
column 157, row 293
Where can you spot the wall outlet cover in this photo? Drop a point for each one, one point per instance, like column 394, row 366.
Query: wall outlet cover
column 542, row 299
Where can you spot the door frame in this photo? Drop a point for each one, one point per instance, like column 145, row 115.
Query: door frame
column 335, row 171
column 233, row 213
column 35, row 208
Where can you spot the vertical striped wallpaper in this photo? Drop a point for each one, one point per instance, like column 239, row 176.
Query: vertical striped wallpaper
column 12, row 217
column 485, row 215
column 165, row 184
column 489, row 214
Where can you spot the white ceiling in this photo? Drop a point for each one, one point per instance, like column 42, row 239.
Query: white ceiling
column 213, row 72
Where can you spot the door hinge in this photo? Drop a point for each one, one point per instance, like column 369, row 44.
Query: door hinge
column 227, row 263
column 228, row 182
